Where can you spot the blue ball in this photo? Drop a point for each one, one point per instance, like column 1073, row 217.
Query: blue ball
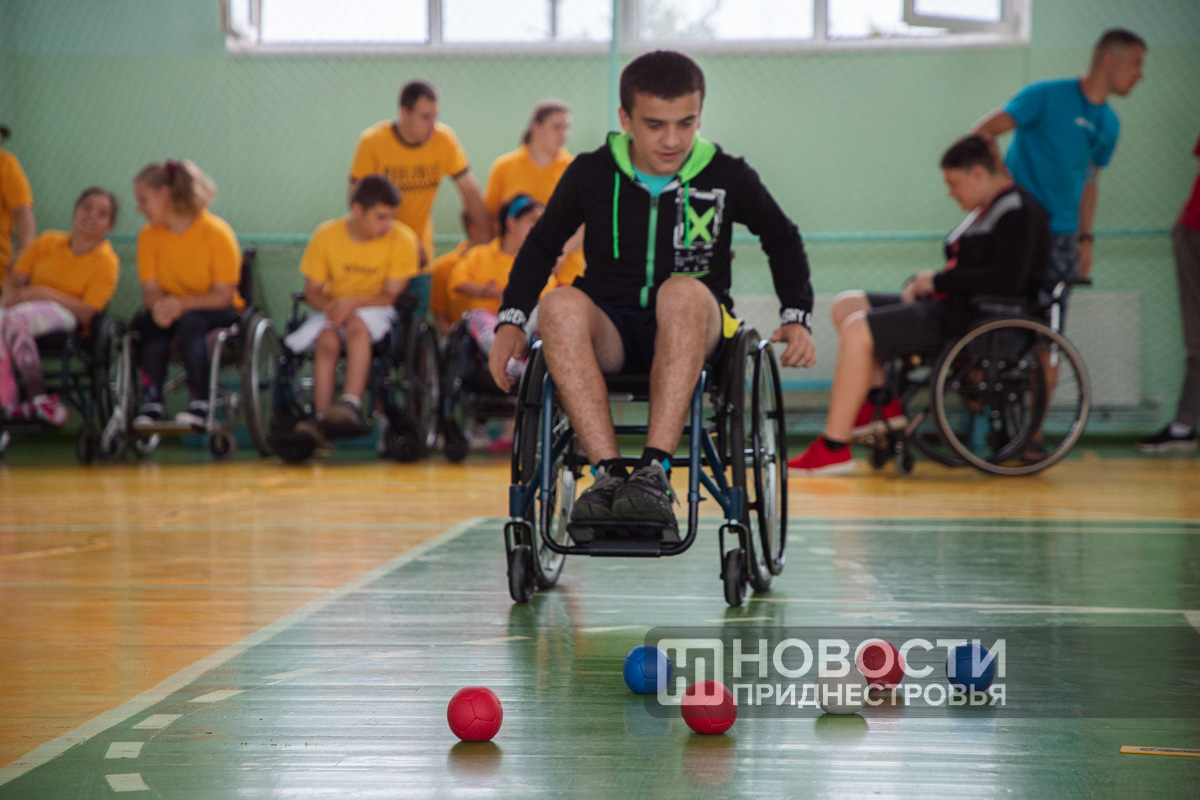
column 965, row 670
column 647, row 670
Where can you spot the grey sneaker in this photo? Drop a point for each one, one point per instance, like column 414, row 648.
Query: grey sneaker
column 595, row 503
column 344, row 414
column 196, row 415
column 647, row 497
column 312, row 429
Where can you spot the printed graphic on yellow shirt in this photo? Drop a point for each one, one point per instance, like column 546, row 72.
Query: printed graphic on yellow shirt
column 351, row 268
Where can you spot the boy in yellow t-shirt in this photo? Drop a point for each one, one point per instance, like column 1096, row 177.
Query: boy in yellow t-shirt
column 447, row 307
column 415, row 153
column 59, row 283
column 354, row 269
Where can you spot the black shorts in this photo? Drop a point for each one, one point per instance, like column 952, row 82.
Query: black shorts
column 925, row 325
column 638, row 327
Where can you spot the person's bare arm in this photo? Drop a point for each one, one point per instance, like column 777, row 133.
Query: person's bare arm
column 473, row 202
column 24, row 293
column 991, row 127
column 1087, row 215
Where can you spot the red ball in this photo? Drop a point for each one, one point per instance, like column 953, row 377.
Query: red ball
column 474, row 714
column 708, row 707
column 881, row 664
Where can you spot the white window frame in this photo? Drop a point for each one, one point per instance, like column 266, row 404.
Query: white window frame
column 1011, row 30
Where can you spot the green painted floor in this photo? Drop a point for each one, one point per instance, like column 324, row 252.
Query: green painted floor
column 347, row 697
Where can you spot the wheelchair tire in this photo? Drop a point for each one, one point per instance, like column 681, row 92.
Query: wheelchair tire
column 745, row 370
column 733, row 573
column 456, row 446
column 106, row 361
column 260, row 366
column 423, row 383
column 997, row 367
column 547, row 516
column 770, row 462
column 520, row 573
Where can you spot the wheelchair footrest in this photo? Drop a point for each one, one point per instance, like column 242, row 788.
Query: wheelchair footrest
column 166, row 427
column 334, row 431
column 622, row 532
column 624, row 548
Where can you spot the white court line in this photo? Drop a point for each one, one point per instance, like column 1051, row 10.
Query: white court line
column 497, row 640
column 217, row 696
column 185, row 676
column 127, row 782
column 124, row 750
column 296, row 673
column 728, row 620
column 611, row 628
column 156, row 722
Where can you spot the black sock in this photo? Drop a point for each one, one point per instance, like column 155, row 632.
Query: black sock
column 654, row 454
column 613, row 466
column 833, row 445
column 875, row 396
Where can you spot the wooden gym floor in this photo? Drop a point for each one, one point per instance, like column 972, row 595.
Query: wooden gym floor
column 183, row 629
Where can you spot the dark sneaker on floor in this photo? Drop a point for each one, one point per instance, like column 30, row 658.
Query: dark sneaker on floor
column 1164, row 442
column 648, row 497
column 196, row 415
column 344, row 414
column 594, row 504
column 151, row 414
column 312, row 429
column 818, row 459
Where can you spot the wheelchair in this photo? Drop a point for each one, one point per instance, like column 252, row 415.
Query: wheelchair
column 85, row 380
column 403, row 384
column 469, row 395
column 983, row 399
column 240, row 346
column 739, row 455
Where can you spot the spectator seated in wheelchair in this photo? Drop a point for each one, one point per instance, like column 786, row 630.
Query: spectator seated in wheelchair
column 60, row 284
column 355, row 267
column 1000, row 251
column 479, row 279
column 658, row 204
column 189, row 265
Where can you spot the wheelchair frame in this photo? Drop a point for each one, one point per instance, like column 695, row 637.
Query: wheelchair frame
column 997, row 366
column 746, row 419
column 411, row 347
column 85, row 383
column 468, row 391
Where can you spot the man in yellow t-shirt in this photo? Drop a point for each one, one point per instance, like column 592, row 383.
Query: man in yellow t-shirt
column 354, row 269
column 415, row 153
column 16, row 208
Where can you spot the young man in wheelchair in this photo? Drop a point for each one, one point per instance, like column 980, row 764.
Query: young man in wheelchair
column 659, row 204
column 1000, row 250
column 354, row 269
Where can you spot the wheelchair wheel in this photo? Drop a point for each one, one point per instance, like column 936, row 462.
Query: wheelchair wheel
column 770, row 457
column 86, row 445
column 260, row 364
column 422, row 383
column 733, row 573
column 747, row 434
column 403, row 440
column 521, row 573
column 106, row 363
column 911, row 381
column 546, row 515
column 1017, row 378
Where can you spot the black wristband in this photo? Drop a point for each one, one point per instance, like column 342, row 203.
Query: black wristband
column 1086, row 237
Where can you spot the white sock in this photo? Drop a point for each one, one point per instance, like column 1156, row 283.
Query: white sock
column 352, row 400
column 1180, row 431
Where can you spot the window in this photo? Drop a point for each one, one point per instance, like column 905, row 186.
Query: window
column 588, row 24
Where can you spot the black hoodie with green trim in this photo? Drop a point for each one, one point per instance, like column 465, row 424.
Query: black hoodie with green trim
column 634, row 242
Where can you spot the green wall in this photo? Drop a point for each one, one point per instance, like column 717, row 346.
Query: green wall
column 848, row 141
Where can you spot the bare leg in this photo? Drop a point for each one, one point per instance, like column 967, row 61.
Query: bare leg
column 852, row 377
column 845, row 304
column 329, row 347
column 358, row 357
column 689, row 327
column 580, row 344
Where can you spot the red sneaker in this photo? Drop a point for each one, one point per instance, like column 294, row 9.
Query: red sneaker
column 51, row 410
column 868, row 423
column 820, row 460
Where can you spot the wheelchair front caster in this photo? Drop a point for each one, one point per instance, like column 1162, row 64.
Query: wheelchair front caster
column 904, row 462
column 86, row 445
column 879, row 457
column 222, row 445
column 733, row 572
column 403, row 440
column 456, row 446
column 110, row 447
column 520, row 573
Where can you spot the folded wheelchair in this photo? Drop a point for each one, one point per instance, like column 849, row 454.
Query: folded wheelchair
column 235, row 378
column 738, row 454
column 403, row 386
column 85, row 379
column 1011, row 396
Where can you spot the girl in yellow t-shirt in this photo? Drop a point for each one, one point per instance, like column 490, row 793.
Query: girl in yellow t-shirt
column 16, row 207
column 58, row 283
column 188, row 265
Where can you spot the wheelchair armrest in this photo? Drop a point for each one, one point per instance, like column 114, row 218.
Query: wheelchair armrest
column 998, row 304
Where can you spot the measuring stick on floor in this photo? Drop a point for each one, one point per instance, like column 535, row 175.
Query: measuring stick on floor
column 1159, row 751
